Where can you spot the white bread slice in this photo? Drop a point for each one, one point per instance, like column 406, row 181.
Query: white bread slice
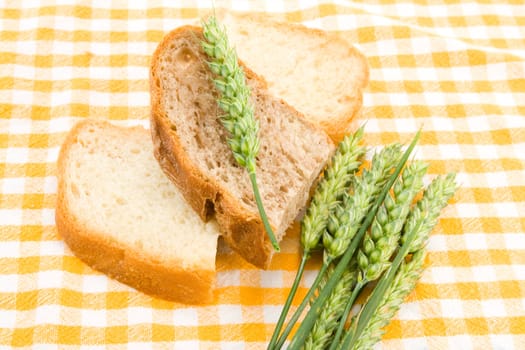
column 121, row 215
column 316, row 72
column 190, row 145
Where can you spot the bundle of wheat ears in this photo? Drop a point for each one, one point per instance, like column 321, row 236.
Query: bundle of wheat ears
column 366, row 220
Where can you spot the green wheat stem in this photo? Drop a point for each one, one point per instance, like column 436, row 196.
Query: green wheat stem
column 287, row 305
column 238, row 119
column 295, row 317
column 315, row 309
column 344, row 315
column 335, row 181
column 420, row 223
column 267, row 227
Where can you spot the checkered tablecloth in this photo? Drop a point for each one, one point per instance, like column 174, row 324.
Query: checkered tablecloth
column 456, row 68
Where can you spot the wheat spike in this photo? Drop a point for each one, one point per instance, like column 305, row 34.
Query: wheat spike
column 420, row 222
column 238, row 118
column 404, row 282
column 344, row 222
column 323, row 329
column 335, row 181
column 382, row 239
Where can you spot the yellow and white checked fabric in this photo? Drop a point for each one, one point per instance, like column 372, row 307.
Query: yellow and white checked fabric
column 456, row 68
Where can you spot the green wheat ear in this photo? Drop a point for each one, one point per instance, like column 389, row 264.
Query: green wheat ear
column 238, row 118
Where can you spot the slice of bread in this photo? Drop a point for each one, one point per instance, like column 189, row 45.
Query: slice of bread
column 190, row 145
column 121, row 215
column 316, row 72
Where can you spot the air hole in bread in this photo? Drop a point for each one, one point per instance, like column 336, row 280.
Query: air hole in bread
column 197, row 120
column 247, row 200
column 197, row 106
column 167, row 194
column 185, row 57
column 74, row 190
column 120, row 201
column 199, row 141
column 135, row 151
column 209, row 208
column 266, row 150
column 209, row 164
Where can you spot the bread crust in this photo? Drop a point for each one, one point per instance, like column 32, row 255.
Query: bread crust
column 125, row 264
column 336, row 126
column 242, row 230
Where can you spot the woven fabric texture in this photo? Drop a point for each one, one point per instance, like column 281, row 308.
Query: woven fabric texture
column 456, row 69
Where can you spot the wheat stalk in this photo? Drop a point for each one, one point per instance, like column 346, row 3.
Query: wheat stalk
column 238, row 118
column 381, row 240
column 344, row 221
column 426, row 213
column 404, row 282
column 334, row 183
column 322, row 332
column 419, row 224
column 316, row 307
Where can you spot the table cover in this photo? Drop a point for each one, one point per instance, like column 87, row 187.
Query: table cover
column 454, row 68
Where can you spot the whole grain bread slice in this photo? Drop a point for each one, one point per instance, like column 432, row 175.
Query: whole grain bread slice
column 120, row 214
column 317, row 72
column 190, row 145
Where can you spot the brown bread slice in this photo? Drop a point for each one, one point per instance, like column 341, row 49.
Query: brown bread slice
column 119, row 213
column 316, row 72
column 190, row 145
